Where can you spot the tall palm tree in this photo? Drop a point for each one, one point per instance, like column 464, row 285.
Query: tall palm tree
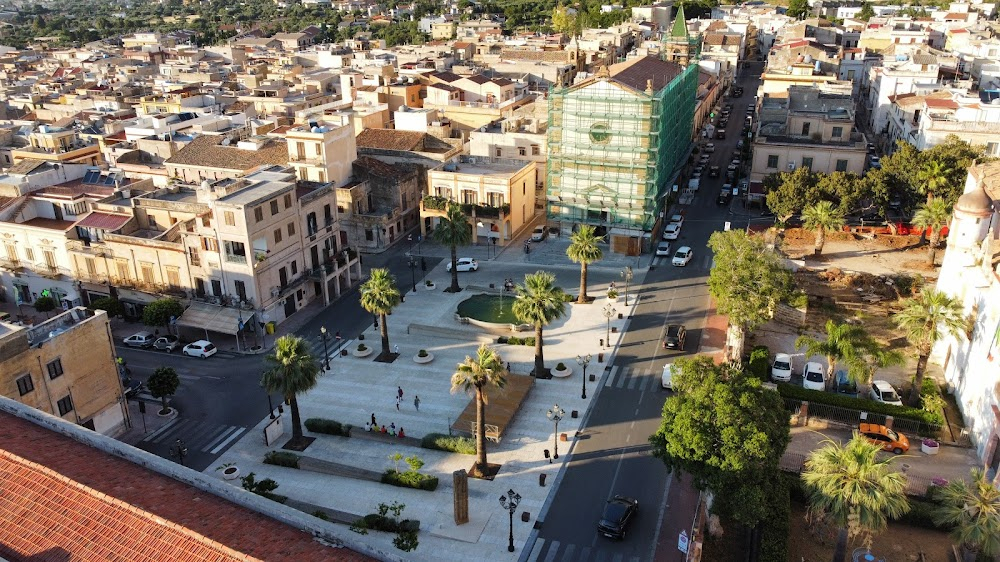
column 843, row 342
column 934, row 215
column 539, row 302
column 583, row 249
column 473, row 376
column 821, row 217
column 973, row 509
column 873, row 357
column 453, row 230
column 932, row 178
column 379, row 295
column 851, row 488
column 925, row 319
column 291, row 372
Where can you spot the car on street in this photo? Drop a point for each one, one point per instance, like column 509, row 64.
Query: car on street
column 200, row 348
column 130, row 386
column 813, row 377
column 676, row 337
column 704, row 158
column 723, row 123
column 667, row 378
column 663, row 249
column 781, row 368
column 709, row 148
column 672, row 232
column 682, row 257
column 881, row 435
column 713, row 171
column 720, row 134
column 539, row 234
column 166, row 343
column 139, row 339
column 883, row 392
column 465, row 264
column 676, row 219
column 618, row 513
column 725, row 196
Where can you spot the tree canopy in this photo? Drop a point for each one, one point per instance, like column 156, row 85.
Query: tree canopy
column 159, row 313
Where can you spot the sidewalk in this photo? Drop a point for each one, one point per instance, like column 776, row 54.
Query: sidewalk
column 682, row 501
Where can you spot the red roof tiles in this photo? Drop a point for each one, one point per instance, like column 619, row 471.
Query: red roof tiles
column 104, row 221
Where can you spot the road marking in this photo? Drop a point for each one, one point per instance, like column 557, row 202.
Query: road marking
column 611, row 377
column 185, row 424
column 220, row 437
column 632, row 425
column 568, row 553
column 553, row 550
column 188, row 377
column 536, row 550
column 162, row 429
column 220, row 446
column 634, row 380
column 659, row 519
column 663, row 328
column 216, row 434
column 621, row 379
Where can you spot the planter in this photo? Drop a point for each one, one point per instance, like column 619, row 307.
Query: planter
column 231, row 473
column 168, row 414
column 567, row 371
column 930, row 447
column 430, row 286
column 423, row 360
column 362, row 352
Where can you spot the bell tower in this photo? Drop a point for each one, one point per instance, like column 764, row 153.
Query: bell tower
column 678, row 45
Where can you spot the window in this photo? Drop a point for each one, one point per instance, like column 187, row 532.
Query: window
column 50, row 258
column 841, row 166
column 521, row 151
column 29, row 254
column 241, row 290
column 805, row 129
column 258, row 214
column 295, row 267
column 291, row 229
column 91, row 264
column 838, row 132
column 277, row 235
column 65, row 405
column 772, row 160
column 123, row 271
column 288, row 200
column 469, row 197
column 328, row 214
column 850, row 74
column 173, row 276
column 54, row 368
column 210, row 245
column 807, row 163
column 311, row 226
column 147, row 272
column 11, row 252
column 24, row 384
column 236, row 252
column 319, row 149
column 228, row 218
column 535, row 150
column 369, row 235
column 274, row 208
column 497, row 152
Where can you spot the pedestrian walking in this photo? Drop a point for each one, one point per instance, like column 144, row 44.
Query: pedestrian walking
column 395, row 349
column 392, row 427
column 373, row 420
column 416, row 403
column 398, row 400
column 399, row 391
column 368, row 426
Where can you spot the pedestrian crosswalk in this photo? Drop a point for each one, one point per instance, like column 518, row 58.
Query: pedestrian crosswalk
column 633, row 378
column 315, row 345
column 555, row 551
column 201, row 436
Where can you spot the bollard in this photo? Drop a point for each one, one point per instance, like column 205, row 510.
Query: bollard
column 620, row 316
column 593, row 377
column 343, row 353
column 600, row 356
column 546, row 453
column 602, row 342
column 541, row 480
column 574, row 414
column 525, row 516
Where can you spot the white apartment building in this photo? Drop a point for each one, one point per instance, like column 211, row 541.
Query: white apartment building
column 927, row 120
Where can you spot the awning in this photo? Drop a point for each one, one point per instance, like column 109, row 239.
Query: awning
column 214, row 318
column 104, row 221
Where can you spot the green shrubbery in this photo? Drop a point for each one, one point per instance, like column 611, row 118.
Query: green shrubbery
column 450, row 443
column 760, row 357
column 774, row 526
column 410, row 479
column 282, row 458
column 514, row 340
column 329, row 427
column 931, row 419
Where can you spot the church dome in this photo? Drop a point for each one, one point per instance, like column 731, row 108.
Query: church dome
column 975, row 203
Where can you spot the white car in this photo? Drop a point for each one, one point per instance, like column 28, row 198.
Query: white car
column 538, row 234
column 781, row 369
column 200, row 348
column 710, row 147
column 682, row 257
column 672, row 232
column 677, row 219
column 465, row 264
column 667, row 378
column 883, row 392
column 813, row 377
column 663, row 249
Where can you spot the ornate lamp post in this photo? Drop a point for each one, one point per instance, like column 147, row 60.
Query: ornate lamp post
column 326, row 350
column 178, row 450
column 627, row 276
column 413, row 279
column 509, row 502
column 608, row 311
column 555, row 414
column 584, row 360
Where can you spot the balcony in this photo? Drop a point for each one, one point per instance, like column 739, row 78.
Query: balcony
column 233, row 258
column 51, row 271
column 12, row 265
column 95, row 278
column 96, row 249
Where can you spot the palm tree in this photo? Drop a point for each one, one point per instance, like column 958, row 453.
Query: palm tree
column 844, row 342
column 539, row 302
column 292, row 371
column 933, row 178
column 973, row 509
column 583, row 249
column 873, row 357
column 934, row 215
column 925, row 319
column 453, row 230
column 821, row 217
column 379, row 295
column 848, row 486
column 473, row 376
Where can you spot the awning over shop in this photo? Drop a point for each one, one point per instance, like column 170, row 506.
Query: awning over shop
column 214, row 318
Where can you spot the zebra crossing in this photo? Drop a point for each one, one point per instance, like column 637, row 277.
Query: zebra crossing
column 632, row 378
column 555, row 551
column 206, row 437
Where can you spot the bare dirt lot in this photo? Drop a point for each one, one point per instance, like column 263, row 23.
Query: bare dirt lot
column 879, row 254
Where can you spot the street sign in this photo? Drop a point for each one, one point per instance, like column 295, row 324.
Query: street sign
column 728, row 225
column 682, row 542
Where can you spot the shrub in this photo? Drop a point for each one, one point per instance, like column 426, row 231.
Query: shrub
column 931, row 421
column 921, row 514
column 530, row 342
column 760, row 357
column 362, row 347
column 329, row 427
column 560, row 366
column 503, row 339
column 282, row 458
column 798, row 300
column 774, row 526
column 612, row 294
column 449, row 443
column 568, row 297
column 428, row 283
column 514, row 340
column 410, row 479
column 422, row 353
column 320, row 514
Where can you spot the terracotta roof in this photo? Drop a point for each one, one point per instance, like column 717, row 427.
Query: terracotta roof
column 379, row 168
column 637, row 72
column 64, row 500
column 940, row 103
column 445, row 76
column 50, row 224
column 25, row 166
column 391, row 139
column 104, row 221
column 477, row 78
column 207, row 151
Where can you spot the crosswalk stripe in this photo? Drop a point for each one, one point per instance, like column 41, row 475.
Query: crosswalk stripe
column 585, row 553
column 536, row 550
column 201, row 429
column 232, row 436
column 624, row 375
column 216, row 434
column 568, row 553
column 635, row 380
column 169, row 424
column 553, row 551
column 611, row 376
column 185, row 423
column 225, row 433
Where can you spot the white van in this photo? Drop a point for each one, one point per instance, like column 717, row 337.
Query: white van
column 667, row 379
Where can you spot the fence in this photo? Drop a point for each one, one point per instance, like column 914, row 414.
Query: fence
column 851, row 417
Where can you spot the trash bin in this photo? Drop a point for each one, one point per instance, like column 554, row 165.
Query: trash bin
column 270, row 328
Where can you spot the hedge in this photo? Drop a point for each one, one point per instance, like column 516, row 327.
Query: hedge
column 759, row 362
column 377, row 522
column 796, row 392
column 514, row 340
column 282, row 458
column 329, row 427
column 410, row 479
column 450, row 443
column 774, row 527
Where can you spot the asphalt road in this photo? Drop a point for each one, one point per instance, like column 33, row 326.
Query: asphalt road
column 613, row 455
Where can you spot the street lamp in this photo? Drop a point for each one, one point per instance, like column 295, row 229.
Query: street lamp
column 608, row 312
column 627, row 276
column 326, row 351
column 555, row 414
column 584, row 360
column 178, row 450
column 509, row 502
column 413, row 279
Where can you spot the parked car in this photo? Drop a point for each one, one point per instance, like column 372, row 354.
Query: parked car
column 618, row 513
column 539, row 234
column 883, row 392
column 663, row 249
column 667, row 378
column 725, row 196
column 713, row 171
column 465, row 264
column 672, row 231
column 720, row 134
column 682, row 257
column 139, row 339
column 200, row 348
column 676, row 219
column 709, row 148
column 781, row 369
column 813, row 377
column 130, row 386
column 881, row 435
column 166, row 343
column 676, row 337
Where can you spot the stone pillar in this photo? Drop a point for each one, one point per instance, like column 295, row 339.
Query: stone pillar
column 460, row 481
column 888, row 422
column 804, row 413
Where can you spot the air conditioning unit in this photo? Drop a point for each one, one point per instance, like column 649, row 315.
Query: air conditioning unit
column 275, row 291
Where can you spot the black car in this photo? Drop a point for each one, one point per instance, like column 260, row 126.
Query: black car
column 676, row 336
column 618, row 513
column 725, row 196
column 713, row 171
